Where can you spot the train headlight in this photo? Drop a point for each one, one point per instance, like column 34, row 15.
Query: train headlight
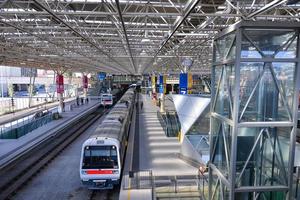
column 115, row 171
column 83, row 172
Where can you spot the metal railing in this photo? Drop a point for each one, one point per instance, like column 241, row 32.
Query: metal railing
column 13, row 104
column 180, row 186
column 21, row 127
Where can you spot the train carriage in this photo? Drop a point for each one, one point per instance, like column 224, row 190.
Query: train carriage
column 103, row 153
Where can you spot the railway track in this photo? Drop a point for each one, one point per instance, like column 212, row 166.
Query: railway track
column 22, row 170
column 104, row 194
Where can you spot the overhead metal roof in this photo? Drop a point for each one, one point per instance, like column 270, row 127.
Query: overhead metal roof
column 123, row 36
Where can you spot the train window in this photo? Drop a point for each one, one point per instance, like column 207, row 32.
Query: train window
column 100, row 157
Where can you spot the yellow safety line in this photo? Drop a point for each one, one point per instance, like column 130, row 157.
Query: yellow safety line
column 128, row 193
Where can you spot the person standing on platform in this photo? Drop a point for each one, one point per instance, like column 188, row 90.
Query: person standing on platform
column 77, row 100
column 142, row 105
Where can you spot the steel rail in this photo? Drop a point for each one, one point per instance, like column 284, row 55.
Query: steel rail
column 12, row 177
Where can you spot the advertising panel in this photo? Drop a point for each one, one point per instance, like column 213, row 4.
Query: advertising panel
column 60, row 84
column 85, row 81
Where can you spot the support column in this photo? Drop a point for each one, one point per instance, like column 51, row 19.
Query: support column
column 162, row 89
column 31, row 86
column 162, row 102
column 85, row 87
column 60, row 91
column 153, row 95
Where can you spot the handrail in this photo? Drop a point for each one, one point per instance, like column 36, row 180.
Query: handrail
column 24, row 126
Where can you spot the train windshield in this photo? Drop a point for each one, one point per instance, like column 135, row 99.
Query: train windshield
column 106, row 97
column 100, row 157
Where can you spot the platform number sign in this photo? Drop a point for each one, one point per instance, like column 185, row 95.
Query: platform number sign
column 183, row 83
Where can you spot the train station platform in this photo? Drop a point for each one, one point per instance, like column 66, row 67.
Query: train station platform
column 155, row 159
column 10, row 149
column 6, row 118
column 158, row 152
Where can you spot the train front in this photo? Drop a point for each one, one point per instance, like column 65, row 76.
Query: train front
column 100, row 163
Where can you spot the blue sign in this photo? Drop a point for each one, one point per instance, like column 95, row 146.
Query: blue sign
column 101, row 76
column 161, row 84
column 183, row 83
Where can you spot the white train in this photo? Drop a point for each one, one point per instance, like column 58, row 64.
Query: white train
column 106, row 99
column 103, row 153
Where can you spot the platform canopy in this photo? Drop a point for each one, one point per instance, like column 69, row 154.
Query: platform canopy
column 124, row 36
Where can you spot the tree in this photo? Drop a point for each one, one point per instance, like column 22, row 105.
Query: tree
column 11, row 90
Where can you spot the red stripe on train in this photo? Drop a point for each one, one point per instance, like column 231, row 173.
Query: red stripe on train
column 99, row 172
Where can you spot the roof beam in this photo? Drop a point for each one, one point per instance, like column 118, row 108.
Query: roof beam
column 76, row 32
column 266, row 8
column 126, row 36
column 190, row 7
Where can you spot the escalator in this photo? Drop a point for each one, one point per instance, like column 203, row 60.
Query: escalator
column 170, row 122
column 207, row 82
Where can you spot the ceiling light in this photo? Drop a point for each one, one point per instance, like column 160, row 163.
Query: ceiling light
column 145, row 40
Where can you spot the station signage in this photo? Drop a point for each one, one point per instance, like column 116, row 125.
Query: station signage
column 183, row 83
column 101, row 76
column 60, row 84
column 161, row 84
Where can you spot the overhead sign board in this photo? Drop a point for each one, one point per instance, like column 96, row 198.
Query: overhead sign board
column 101, row 76
column 183, row 83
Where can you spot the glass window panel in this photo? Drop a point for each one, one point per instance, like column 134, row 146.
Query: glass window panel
column 249, row 74
column 289, row 51
column 285, row 73
column 222, row 47
column 268, row 164
column 266, row 103
column 224, row 96
column 261, row 196
column 215, row 188
column 221, row 139
column 231, row 54
column 248, row 50
column 268, row 41
column 201, row 126
column 217, row 74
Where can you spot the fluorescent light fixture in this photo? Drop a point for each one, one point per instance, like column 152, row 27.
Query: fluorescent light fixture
column 48, row 55
column 145, row 40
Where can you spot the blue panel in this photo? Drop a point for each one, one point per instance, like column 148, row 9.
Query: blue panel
column 101, row 76
column 161, row 84
column 183, row 83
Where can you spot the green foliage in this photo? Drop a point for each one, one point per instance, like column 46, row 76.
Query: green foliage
column 11, row 90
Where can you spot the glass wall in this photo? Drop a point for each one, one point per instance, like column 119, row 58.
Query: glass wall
column 254, row 98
